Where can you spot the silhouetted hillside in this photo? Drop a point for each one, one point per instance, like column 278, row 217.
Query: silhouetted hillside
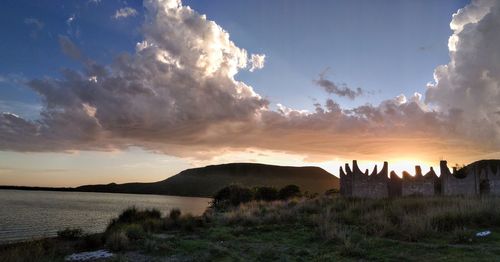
column 205, row 181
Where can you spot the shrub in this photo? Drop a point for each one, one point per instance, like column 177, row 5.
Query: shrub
column 152, row 225
column 189, row 222
column 289, row 192
column 266, row 193
column 175, row 213
column 92, row 241
column 232, row 195
column 70, row 233
column 135, row 232
column 131, row 215
column 117, row 241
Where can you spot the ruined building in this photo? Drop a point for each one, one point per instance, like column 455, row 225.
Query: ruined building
column 481, row 177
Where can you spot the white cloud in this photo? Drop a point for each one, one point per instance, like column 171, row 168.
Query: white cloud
column 257, row 61
column 468, row 87
column 125, row 12
column 70, row 19
column 177, row 94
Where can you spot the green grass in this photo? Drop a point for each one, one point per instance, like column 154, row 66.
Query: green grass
column 318, row 229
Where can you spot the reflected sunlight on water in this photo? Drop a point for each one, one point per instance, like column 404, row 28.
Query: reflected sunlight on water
column 34, row 214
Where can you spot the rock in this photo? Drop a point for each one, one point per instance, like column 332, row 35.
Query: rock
column 92, row 255
column 483, row 233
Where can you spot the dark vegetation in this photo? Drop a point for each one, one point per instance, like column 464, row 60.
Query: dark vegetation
column 256, row 225
column 70, row 233
column 234, row 195
column 206, row 181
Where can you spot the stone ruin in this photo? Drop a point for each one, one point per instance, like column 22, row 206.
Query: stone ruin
column 479, row 178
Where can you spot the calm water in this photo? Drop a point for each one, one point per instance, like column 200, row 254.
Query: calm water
column 34, row 214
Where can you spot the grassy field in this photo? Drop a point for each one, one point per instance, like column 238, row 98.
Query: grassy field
column 323, row 228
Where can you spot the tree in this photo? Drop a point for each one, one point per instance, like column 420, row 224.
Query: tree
column 289, row 191
column 232, row 195
column 266, row 193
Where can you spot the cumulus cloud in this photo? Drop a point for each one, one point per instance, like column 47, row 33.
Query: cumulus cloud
column 124, row 13
column 257, row 61
column 341, row 90
column 177, row 94
column 175, row 89
column 468, row 87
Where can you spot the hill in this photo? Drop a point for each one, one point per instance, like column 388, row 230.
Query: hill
column 205, row 181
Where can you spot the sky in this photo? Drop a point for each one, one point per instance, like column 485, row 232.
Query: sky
column 116, row 91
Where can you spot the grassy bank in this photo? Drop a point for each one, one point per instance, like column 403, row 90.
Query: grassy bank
column 322, row 228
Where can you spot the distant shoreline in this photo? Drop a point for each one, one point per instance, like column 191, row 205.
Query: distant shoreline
column 76, row 190
column 206, row 181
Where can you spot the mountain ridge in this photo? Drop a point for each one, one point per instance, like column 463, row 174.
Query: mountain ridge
column 206, row 181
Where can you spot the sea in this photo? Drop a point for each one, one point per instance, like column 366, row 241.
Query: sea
column 27, row 215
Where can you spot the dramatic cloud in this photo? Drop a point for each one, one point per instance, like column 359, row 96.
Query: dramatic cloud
column 176, row 88
column 124, row 13
column 177, row 94
column 468, row 88
column 341, row 90
column 257, row 62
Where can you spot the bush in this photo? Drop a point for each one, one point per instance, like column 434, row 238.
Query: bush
column 289, row 192
column 189, row 222
column 266, row 193
column 117, row 241
column 92, row 241
column 175, row 213
column 135, row 232
column 232, row 195
column 131, row 215
column 70, row 233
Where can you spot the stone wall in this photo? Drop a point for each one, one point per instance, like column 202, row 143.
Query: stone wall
column 481, row 177
column 418, row 185
column 395, row 185
column 454, row 184
column 362, row 185
column 486, row 174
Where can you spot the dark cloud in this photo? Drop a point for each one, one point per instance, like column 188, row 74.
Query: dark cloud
column 341, row 90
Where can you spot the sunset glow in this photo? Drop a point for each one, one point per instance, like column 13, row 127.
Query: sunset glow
column 114, row 92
